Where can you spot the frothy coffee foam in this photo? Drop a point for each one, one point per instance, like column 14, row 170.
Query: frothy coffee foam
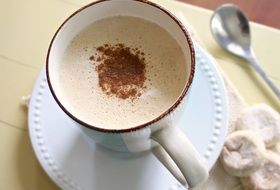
column 165, row 72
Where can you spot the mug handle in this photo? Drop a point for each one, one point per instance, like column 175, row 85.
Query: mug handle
column 179, row 156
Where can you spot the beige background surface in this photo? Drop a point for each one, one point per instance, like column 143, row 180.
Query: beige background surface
column 26, row 30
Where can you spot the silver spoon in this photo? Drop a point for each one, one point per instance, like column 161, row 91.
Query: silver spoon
column 230, row 28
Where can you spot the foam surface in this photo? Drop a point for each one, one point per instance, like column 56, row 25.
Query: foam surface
column 166, row 73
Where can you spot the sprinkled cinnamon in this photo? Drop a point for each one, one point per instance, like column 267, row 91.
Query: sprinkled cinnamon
column 92, row 58
column 121, row 70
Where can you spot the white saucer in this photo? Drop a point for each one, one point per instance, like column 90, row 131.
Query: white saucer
column 74, row 162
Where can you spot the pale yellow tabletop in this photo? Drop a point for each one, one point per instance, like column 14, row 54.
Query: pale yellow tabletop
column 26, row 30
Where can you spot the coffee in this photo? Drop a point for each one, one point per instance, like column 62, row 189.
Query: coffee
column 165, row 73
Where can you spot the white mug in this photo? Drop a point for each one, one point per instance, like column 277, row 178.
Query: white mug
column 167, row 142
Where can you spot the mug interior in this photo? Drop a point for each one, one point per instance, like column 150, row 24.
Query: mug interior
column 109, row 8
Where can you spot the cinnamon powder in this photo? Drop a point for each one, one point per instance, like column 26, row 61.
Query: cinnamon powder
column 121, row 70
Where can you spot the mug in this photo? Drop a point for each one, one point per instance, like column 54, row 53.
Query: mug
column 159, row 135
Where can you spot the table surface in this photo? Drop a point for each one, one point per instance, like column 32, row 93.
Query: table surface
column 26, row 30
column 260, row 11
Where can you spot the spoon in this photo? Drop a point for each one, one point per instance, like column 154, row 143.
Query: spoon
column 231, row 30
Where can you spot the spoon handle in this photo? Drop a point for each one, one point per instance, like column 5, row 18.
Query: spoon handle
column 252, row 59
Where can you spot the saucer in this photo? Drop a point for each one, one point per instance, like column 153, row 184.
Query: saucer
column 73, row 161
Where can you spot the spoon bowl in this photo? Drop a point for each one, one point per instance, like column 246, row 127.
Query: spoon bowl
column 232, row 33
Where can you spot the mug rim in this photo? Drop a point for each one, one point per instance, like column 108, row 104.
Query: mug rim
column 146, row 124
